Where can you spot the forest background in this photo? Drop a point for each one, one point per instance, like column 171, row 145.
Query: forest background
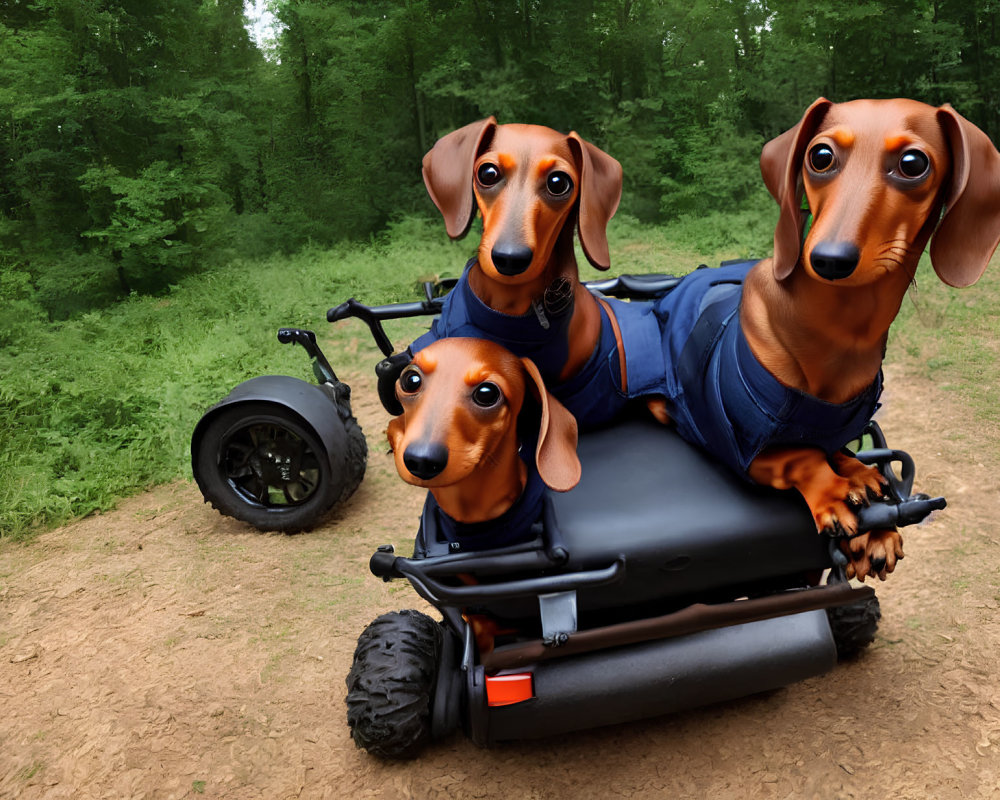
column 163, row 174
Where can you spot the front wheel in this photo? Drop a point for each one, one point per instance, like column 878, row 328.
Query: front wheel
column 854, row 626
column 391, row 684
column 262, row 464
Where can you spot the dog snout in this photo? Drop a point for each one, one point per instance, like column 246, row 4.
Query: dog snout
column 834, row 260
column 426, row 460
column 511, row 259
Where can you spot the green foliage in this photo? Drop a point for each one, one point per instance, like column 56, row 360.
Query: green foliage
column 140, row 141
column 124, row 136
column 103, row 405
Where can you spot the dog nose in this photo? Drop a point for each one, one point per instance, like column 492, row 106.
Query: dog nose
column 834, row 260
column 424, row 460
column 511, row 259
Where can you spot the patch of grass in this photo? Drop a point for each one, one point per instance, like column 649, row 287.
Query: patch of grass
column 272, row 670
column 951, row 337
column 30, row 771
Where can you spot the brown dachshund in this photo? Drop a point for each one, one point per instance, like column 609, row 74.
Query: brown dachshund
column 876, row 175
column 533, row 186
column 458, row 434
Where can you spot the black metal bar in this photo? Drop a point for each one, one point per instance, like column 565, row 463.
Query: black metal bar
column 881, row 516
column 321, row 367
column 884, row 457
column 373, row 316
column 385, row 564
column 634, row 287
column 440, row 594
column 693, row 619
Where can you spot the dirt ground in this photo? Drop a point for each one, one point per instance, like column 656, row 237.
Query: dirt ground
column 163, row 651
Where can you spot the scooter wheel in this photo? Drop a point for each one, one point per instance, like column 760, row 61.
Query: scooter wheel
column 391, row 684
column 854, row 626
column 262, row 464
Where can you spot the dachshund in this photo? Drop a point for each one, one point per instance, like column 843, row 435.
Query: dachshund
column 778, row 393
column 461, row 435
column 533, row 186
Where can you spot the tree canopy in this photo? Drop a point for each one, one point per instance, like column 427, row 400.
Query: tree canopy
column 143, row 139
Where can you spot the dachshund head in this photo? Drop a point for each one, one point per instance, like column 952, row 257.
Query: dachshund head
column 876, row 175
column 462, row 400
column 529, row 182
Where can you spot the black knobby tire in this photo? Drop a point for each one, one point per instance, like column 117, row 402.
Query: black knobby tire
column 391, row 684
column 854, row 626
column 262, row 464
column 357, row 446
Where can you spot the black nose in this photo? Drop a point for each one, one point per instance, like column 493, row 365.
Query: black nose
column 834, row 260
column 424, row 460
column 511, row 259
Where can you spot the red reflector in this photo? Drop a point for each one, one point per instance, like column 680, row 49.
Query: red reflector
column 505, row 690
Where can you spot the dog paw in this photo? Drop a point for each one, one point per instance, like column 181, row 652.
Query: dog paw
column 865, row 483
column 835, row 517
column 873, row 554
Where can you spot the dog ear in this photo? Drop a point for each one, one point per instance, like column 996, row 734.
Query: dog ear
column 555, row 454
column 447, row 170
column 970, row 229
column 781, row 166
column 600, row 193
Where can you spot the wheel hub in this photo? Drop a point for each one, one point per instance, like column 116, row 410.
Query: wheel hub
column 276, row 463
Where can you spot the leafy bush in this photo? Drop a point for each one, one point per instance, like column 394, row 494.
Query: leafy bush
column 102, row 405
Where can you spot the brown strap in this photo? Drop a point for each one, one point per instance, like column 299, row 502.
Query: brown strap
column 618, row 339
column 693, row 619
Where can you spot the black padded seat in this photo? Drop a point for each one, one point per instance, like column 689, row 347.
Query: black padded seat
column 683, row 523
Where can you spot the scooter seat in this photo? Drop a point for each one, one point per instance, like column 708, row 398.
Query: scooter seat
column 682, row 523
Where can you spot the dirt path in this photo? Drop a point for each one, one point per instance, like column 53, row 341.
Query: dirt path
column 163, row 651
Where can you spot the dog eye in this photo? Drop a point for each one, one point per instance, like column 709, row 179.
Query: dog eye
column 486, row 395
column 559, row 184
column 913, row 164
column 488, row 174
column 410, row 381
column 821, row 158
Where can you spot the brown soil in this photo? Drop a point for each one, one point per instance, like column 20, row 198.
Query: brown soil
column 164, row 651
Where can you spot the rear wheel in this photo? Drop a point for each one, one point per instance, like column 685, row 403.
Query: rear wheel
column 262, row 464
column 854, row 626
column 391, row 684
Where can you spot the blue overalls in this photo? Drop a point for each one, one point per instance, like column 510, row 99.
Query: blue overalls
column 594, row 395
column 718, row 393
column 512, row 527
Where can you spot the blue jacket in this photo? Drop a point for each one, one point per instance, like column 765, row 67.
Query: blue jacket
column 595, row 395
column 719, row 394
column 514, row 526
